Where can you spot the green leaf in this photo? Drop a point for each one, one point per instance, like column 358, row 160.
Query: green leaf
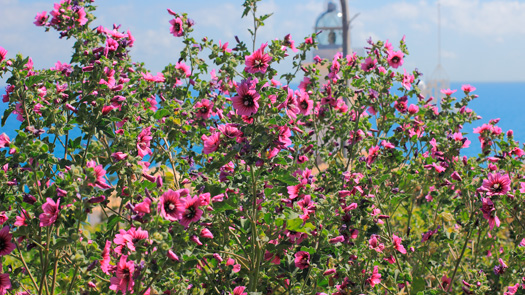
column 296, row 225
column 161, row 114
column 113, row 220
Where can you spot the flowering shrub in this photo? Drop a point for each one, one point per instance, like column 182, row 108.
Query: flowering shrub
column 230, row 181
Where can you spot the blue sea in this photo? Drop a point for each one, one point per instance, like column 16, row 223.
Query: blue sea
column 496, row 100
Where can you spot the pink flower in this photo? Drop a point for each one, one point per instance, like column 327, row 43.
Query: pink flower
column 369, row 64
column 467, row 88
column 40, row 19
column 203, row 108
column 397, row 244
column 239, row 290
column 395, row 59
column 172, row 256
column 21, row 220
column 6, row 246
column 488, row 212
column 206, row 233
column 119, row 156
column 130, row 237
column 230, row 130
column 304, row 103
column 143, row 142
column 106, row 258
column 511, row 290
column 176, row 27
column 191, row 213
column 4, row 140
column 3, row 53
column 448, row 91
column 144, row 206
column 408, row 79
column 5, row 283
column 445, row 282
column 82, row 19
column 124, row 280
column 375, row 278
column 288, row 42
column 211, row 143
column 149, row 77
column 258, row 62
column 245, row 102
column 496, row 184
column 184, row 67
column 373, row 243
column 302, row 259
column 100, row 181
column 170, row 205
column 51, row 211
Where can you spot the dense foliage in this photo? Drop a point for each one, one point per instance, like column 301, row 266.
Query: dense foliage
column 217, row 176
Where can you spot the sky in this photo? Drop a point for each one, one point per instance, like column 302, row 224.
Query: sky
column 482, row 40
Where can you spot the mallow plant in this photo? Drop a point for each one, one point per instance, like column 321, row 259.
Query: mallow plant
column 219, row 175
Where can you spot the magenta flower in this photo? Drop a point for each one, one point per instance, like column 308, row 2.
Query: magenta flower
column 304, row 103
column 4, row 140
column 448, row 91
column 130, row 237
column 369, row 64
column 488, row 212
column 239, row 290
column 496, row 184
column 21, row 220
column 375, row 278
column 245, row 102
column 258, row 62
column 395, row 59
column 5, row 283
column 206, row 233
column 204, row 109
column 302, row 259
column 51, row 211
column 191, row 213
column 176, row 27
column 171, row 255
column 149, row 77
column 397, row 244
column 144, row 206
column 3, row 54
column 445, row 282
column 170, row 205
column 143, row 142
column 184, row 67
column 40, row 19
column 373, row 243
column 6, row 246
column 211, row 143
column 467, row 88
column 408, row 79
column 106, row 258
column 230, row 130
column 100, row 182
column 124, row 280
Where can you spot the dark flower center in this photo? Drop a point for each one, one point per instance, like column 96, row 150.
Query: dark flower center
column 395, row 59
column 177, row 26
column 204, row 110
column 2, row 244
column 304, row 105
column 247, row 100
column 169, row 207
column 497, row 187
column 190, row 212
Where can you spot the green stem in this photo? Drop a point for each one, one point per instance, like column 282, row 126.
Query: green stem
column 462, row 253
